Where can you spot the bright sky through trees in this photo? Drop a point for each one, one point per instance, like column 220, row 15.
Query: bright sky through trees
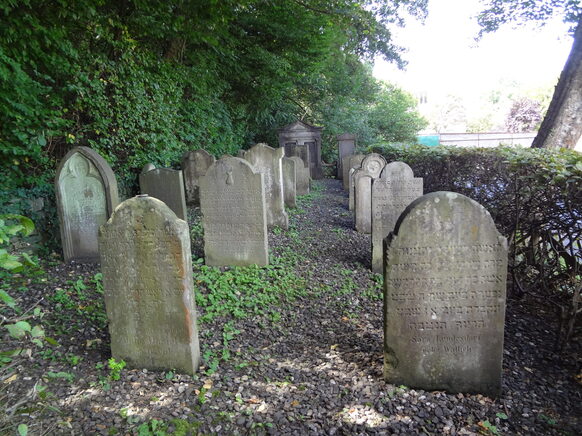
column 445, row 59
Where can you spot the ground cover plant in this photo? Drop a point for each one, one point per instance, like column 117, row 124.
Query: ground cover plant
column 292, row 347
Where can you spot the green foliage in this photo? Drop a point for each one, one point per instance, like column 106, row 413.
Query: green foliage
column 138, row 82
column 115, row 368
column 534, row 197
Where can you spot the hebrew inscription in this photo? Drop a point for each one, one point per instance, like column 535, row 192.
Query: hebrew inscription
column 444, row 297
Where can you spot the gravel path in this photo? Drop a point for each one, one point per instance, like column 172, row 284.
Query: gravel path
column 311, row 366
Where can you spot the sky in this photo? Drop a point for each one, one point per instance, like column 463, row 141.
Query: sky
column 444, row 58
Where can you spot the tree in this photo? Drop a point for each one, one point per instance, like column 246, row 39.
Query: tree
column 562, row 125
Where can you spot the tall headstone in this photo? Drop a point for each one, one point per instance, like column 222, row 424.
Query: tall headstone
column 194, row 165
column 302, row 173
column 353, row 161
column 371, row 168
column 147, row 282
column 234, row 217
column 392, row 192
column 444, row 297
column 86, row 192
column 289, row 182
column 346, row 145
column 267, row 160
column 167, row 185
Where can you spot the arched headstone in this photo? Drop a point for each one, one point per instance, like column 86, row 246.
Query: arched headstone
column 371, row 168
column 444, row 297
column 86, row 192
column 147, row 282
column 194, row 165
column 167, row 185
column 392, row 192
column 234, row 217
column 267, row 160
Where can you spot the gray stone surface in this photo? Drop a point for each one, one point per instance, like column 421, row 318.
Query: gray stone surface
column 371, row 168
column 392, row 192
column 303, row 140
column 353, row 161
column 167, row 185
column 147, row 282
column 234, row 217
column 267, row 160
column 444, row 297
column 194, row 165
column 86, row 193
column 302, row 172
column 346, row 145
column 289, row 182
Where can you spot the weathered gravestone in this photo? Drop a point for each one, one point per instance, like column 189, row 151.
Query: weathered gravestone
column 232, row 202
column 346, row 145
column 289, row 182
column 302, row 176
column 147, row 282
column 444, row 297
column 353, row 161
column 392, row 192
column 371, row 168
column 194, row 165
column 86, row 192
column 167, row 185
column 267, row 160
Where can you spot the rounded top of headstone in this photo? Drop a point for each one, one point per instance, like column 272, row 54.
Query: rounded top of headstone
column 397, row 170
column 373, row 164
column 446, row 215
column 148, row 167
column 140, row 209
column 142, row 195
column 346, row 136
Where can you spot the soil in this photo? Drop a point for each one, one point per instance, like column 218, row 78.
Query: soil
column 316, row 370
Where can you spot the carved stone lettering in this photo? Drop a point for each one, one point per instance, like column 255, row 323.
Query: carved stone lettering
column 232, row 202
column 391, row 194
column 86, row 192
column 444, row 297
column 147, row 281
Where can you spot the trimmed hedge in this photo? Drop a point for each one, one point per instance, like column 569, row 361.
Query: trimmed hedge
column 535, row 199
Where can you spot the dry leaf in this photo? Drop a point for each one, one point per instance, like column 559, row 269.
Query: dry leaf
column 11, row 378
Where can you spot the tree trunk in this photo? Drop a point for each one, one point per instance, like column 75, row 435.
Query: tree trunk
column 562, row 125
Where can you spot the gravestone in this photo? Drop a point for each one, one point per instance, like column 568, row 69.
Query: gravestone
column 289, row 182
column 353, row 161
column 234, row 217
column 371, row 168
column 302, row 176
column 346, row 145
column 444, row 297
column 267, row 160
column 392, row 192
column 86, row 193
column 148, row 167
column 167, row 185
column 147, row 282
column 194, row 165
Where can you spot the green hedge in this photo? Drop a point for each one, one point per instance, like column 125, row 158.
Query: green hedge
column 535, row 199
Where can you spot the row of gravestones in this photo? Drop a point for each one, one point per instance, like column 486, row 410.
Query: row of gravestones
column 444, row 271
column 144, row 244
column 445, row 268
column 87, row 195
